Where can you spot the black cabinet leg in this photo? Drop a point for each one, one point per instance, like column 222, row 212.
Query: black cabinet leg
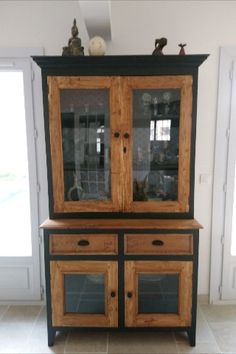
column 192, row 337
column 51, row 336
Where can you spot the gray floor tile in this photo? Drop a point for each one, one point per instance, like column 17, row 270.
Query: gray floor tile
column 89, row 342
column 225, row 334
column 219, row 313
column 140, row 343
column 38, row 341
column 15, row 328
column 23, row 329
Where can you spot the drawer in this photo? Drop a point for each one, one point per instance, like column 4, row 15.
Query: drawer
column 83, row 244
column 158, row 244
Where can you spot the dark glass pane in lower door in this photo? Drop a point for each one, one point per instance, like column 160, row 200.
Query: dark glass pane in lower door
column 84, row 293
column 158, row 293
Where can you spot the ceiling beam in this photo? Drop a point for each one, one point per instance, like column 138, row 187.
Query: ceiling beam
column 97, row 17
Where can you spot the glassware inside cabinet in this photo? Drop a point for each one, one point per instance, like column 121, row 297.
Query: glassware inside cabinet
column 156, row 114
column 85, row 144
column 84, row 293
column 158, row 293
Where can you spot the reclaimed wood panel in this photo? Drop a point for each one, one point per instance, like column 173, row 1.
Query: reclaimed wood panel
column 70, row 244
column 182, row 318
column 184, row 83
column 57, row 271
column 168, row 244
column 139, row 224
column 57, row 83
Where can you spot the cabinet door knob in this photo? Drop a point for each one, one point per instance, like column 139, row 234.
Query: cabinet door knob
column 126, row 135
column 113, row 294
column 116, row 134
column 157, row 243
column 83, row 243
column 129, row 294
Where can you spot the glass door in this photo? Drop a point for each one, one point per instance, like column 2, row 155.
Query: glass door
column 19, row 251
column 84, row 293
column 158, row 150
column 85, row 164
column 158, row 293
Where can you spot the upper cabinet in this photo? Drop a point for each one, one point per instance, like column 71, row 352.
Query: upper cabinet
column 120, row 134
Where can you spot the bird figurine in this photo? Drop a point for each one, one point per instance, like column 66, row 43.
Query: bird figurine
column 182, row 51
column 159, row 45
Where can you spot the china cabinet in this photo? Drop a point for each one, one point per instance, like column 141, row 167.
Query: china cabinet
column 121, row 244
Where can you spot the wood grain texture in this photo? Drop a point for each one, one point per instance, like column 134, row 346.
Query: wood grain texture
column 135, row 319
column 59, row 318
column 127, row 123
column 185, row 144
column 116, row 144
column 56, row 143
column 57, row 83
column 172, row 244
column 184, row 84
column 69, row 244
column 141, row 224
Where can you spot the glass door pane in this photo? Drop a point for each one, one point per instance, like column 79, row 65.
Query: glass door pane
column 158, row 293
column 84, row 293
column 156, row 114
column 85, row 142
column 14, row 179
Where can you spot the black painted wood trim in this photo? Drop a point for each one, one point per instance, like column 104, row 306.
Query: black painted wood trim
column 120, row 64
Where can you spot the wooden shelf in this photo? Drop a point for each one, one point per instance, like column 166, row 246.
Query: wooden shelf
column 149, row 224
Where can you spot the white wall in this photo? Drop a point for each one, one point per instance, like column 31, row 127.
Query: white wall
column 204, row 25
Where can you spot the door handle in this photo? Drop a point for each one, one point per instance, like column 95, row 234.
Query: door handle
column 83, row 243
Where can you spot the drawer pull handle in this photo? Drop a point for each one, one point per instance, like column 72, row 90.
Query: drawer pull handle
column 129, row 294
column 157, row 243
column 83, row 243
column 116, row 134
column 113, row 294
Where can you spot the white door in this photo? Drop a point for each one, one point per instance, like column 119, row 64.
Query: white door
column 229, row 244
column 223, row 249
column 19, row 241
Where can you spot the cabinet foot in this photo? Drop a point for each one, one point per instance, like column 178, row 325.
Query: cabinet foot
column 51, row 337
column 192, row 337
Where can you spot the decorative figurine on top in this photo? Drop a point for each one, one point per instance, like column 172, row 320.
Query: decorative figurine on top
column 159, row 45
column 97, row 46
column 182, row 51
column 74, row 44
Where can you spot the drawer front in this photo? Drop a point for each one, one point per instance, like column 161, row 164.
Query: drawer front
column 158, row 244
column 83, row 244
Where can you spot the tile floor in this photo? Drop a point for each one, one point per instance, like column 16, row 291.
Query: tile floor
column 23, row 331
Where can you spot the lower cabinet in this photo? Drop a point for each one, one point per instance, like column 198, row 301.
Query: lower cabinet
column 121, row 279
column 84, row 293
column 158, row 293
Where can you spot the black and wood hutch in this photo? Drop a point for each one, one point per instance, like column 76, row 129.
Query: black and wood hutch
column 121, row 244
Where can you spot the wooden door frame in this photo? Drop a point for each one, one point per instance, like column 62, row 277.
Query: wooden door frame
column 184, row 83
column 60, row 318
column 183, row 268
column 56, row 83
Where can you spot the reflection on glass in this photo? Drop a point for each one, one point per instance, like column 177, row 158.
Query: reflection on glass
column 84, row 293
column 158, row 293
column 85, row 139
column 156, row 115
